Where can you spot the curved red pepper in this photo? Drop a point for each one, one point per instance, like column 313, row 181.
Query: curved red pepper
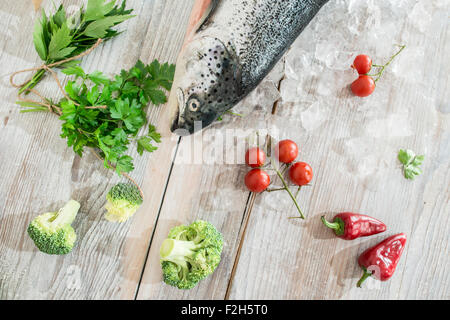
column 381, row 260
column 350, row 226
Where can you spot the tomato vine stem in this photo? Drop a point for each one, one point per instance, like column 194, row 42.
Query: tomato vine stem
column 286, row 187
column 383, row 67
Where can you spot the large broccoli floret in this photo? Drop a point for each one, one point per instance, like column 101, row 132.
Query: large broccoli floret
column 123, row 200
column 190, row 254
column 52, row 232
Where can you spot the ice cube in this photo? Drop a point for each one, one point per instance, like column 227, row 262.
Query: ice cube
column 314, row 116
column 289, row 90
column 420, row 16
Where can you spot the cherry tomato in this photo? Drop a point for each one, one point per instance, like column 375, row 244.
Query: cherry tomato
column 364, row 86
column 255, row 157
column 257, row 180
column 362, row 64
column 286, row 151
column 301, row 173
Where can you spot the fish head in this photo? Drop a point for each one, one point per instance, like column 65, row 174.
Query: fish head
column 206, row 85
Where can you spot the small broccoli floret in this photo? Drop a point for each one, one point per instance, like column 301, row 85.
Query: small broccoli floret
column 190, row 254
column 123, row 200
column 52, row 232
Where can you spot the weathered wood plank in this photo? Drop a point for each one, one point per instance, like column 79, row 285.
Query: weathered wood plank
column 41, row 173
column 266, row 255
column 353, row 153
column 206, row 185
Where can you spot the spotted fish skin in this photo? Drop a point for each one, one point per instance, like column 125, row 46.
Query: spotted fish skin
column 230, row 53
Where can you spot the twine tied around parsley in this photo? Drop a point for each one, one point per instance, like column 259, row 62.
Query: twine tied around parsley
column 54, row 109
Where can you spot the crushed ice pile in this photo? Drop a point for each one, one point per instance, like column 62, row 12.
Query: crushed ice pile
column 314, row 78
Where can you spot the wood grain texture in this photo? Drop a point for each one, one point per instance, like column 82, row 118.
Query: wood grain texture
column 292, row 259
column 40, row 172
column 265, row 254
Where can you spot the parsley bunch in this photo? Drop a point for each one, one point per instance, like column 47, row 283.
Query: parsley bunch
column 108, row 114
column 57, row 37
column 411, row 163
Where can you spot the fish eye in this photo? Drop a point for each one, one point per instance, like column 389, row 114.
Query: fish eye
column 194, row 105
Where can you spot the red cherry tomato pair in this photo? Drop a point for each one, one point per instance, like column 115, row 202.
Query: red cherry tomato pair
column 364, row 86
column 300, row 173
column 257, row 180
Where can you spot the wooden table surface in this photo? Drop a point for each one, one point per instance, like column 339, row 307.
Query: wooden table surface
column 266, row 255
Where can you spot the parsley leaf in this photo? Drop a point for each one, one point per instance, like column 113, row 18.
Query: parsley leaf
column 112, row 128
column 75, row 70
column 145, row 143
column 124, row 164
column 411, row 163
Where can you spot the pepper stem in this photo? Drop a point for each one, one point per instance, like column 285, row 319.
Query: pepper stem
column 338, row 225
column 331, row 225
column 364, row 277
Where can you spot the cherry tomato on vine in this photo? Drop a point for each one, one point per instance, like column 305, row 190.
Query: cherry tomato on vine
column 286, row 151
column 364, row 86
column 257, row 180
column 301, row 173
column 362, row 64
column 255, row 157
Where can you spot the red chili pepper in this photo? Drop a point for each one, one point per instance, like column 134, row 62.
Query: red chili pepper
column 350, row 226
column 381, row 260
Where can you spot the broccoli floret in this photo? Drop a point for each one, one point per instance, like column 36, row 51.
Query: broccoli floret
column 190, row 254
column 52, row 232
column 123, row 200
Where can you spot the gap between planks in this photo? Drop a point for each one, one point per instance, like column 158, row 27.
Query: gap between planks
column 157, row 219
column 248, row 210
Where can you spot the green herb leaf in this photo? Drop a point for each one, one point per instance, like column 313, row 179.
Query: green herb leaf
column 162, row 74
column 111, row 130
column 76, row 70
column 39, row 40
column 97, row 9
column 98, row 78
column 418, row 160
column 59, row 18
column 411, row 163
column 99, row 28
column 406, row 156
column 153, row 134
column 69, row 64
column 124, row 164
column 145, row 143
column 60, row 40
column 57, row 37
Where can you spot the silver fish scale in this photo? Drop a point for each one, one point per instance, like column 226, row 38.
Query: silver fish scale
column 235, row 48
column 260, row 32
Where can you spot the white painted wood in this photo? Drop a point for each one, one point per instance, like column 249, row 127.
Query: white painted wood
column 266, row 255
column 40, row 173
column 353, row 153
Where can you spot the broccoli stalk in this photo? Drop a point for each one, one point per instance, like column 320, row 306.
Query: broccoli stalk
column 181, row 253
column 123, row 200
column 190, row 254
column 52, row 232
